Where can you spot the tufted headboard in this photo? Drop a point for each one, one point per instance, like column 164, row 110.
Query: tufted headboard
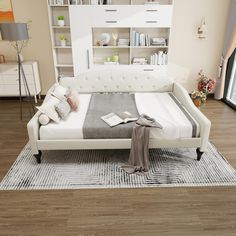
column 118, row 80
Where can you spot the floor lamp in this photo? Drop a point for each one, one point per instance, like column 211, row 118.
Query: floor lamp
column 17, row 33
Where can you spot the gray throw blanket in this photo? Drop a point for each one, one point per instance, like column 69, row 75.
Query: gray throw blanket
column 139, row 153
column 103, row 104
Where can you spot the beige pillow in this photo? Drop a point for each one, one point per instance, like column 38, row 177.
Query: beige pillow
column 48, row 108
column 59, row 92
column 44, row 119
column 73, row 99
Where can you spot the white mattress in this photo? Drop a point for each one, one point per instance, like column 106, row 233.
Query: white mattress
column 157, row 105
column 72, row 128
column 163, row 109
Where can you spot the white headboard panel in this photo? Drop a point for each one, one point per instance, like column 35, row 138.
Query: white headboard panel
column 119, row 80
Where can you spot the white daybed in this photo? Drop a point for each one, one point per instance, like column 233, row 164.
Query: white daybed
column 152, row 98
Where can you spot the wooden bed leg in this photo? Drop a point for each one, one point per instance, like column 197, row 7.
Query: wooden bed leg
column 199, row 154
column 38, row 157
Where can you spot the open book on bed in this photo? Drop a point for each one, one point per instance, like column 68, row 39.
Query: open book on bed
column 114, row 119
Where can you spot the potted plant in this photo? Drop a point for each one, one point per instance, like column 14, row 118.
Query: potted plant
column 198, row 98
column 63, row 40
column 61, row 20
column 205, row 84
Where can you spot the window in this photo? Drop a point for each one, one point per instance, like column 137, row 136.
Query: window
column 230, row 83
column 231, row 93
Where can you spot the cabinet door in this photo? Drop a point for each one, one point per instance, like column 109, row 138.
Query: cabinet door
column 81, row 37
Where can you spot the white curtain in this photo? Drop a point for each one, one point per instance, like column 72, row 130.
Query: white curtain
column 229, row 47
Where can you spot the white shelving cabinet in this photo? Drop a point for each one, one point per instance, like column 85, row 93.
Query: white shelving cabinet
column 84, row 23
column 154, row 20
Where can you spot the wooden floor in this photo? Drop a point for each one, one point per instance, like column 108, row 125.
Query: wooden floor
column 159, row 211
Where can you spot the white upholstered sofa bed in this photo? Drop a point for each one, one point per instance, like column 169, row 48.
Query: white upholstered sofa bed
column 157, row 96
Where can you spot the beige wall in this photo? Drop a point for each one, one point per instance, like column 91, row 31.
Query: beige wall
column 188, row 54
column 39, row 47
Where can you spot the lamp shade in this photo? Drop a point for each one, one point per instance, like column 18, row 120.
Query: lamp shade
column 14, row 31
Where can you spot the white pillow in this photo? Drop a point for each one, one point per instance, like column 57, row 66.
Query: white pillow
column 44, row 119
column 48, row 108
column 59, row 92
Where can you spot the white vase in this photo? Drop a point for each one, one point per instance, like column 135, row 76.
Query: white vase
column 61, row 23
column 63, row 43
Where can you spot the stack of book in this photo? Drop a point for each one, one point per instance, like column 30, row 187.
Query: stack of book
column 158, row 41
column 56, row 2
column 123, row 42
column 160, row 58
column 140, row 61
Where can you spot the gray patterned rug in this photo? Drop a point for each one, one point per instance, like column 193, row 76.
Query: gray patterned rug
column 101, row 169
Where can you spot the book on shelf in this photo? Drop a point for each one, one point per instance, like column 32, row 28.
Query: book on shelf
column 137, row 39
column 123, row 42
column 58, row 2
column 160, row 58
column 133, row 43
column 142, row 41
column 114, row 119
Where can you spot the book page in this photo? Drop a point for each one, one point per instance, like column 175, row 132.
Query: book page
column 127, row 116
column 112, row 119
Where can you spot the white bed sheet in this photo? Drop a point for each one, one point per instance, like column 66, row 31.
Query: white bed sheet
column 72, row 128
column 157, row 105
column 163, row 109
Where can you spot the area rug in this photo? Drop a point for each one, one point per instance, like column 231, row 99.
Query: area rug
column 102, row 169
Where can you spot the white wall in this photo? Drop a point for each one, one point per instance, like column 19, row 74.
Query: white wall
column 188, row 54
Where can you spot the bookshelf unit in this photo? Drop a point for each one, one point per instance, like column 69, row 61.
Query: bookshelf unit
column 154, row 20
column 84, row 23
column 62, row 55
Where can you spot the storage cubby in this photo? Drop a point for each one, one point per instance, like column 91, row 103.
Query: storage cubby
column 147, row 54
column 100, row 55
column 59, row 11
column 65, row 71
column 122, row 33
column 62, row 32
column 64, row 58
